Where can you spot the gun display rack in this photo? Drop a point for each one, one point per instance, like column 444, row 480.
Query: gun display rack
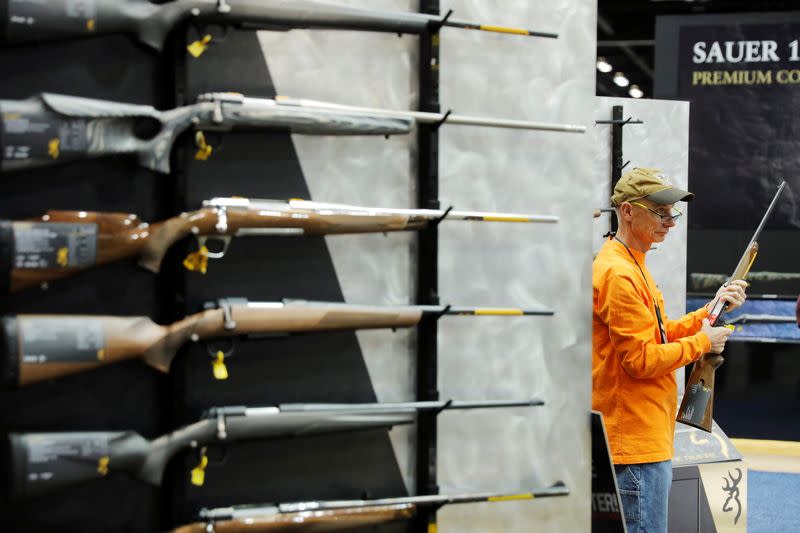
column 263, row 371
column 617, row 123
column 427, row 267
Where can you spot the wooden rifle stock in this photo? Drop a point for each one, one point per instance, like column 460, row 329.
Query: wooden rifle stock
column 311, row 521
column 40, row 347
column 697, row 406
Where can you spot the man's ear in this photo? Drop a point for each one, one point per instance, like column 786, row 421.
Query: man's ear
column 625, row 210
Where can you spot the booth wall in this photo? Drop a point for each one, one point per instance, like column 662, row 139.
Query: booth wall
column 480, row 264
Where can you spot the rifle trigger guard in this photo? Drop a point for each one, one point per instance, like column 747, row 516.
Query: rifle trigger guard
column 444, row 216
column 226, row 242
column 224, row 345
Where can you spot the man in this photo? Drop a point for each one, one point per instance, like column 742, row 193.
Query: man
column 636, row 348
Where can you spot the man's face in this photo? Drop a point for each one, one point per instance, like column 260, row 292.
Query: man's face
column 647, row 223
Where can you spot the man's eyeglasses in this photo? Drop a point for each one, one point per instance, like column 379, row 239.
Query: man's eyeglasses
column 674, row 216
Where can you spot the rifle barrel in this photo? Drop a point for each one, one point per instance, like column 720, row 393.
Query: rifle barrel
column 499, row 29
column 409, row 406
column 767, row 214
column 485, row 311
column 557, row 489
column 433, row 118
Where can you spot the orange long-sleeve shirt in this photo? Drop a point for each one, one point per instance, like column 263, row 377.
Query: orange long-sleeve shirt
column 633, row 384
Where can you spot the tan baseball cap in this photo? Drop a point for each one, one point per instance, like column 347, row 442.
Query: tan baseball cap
column 648, row 183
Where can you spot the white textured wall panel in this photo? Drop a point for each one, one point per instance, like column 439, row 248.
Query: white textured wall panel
column 480, row 264
column 525, row 265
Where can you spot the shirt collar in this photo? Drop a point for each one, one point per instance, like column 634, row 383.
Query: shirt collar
column 620, row 248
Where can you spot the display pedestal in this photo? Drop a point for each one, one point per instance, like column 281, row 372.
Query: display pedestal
column 709, row 483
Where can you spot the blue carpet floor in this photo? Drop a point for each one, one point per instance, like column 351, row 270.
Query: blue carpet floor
column 773, row 502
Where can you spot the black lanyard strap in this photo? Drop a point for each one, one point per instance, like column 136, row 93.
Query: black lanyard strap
column 661, row 327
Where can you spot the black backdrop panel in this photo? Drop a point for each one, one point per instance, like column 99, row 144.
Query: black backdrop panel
column 300, row 368
column 126, row 396
column 742, row 75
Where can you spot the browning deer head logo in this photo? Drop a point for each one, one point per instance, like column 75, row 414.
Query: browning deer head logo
column 731, row 486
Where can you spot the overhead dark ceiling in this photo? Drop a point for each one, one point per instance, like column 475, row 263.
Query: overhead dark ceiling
column 626, row 34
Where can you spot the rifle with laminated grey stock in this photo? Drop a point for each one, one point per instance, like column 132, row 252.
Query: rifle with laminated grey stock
column 61, row 243
column 41, row 347
column 46, row 462
column 335, row 515
column 33, row 20
column 48, row 128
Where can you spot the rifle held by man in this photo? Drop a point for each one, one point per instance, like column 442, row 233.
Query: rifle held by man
column 40, row 347
column 62, row 243
column 45, row 462
column 150, row 23
column 697, row 406
column 337, row 515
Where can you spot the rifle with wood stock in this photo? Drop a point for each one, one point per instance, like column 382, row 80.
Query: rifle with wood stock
column 46, row 462
column 41, row 347
column 62, row 243
column 150, row 23
column 339, row 515
column 697, row 406
column 48, row 129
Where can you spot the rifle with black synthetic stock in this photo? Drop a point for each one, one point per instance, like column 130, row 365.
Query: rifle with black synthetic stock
column 339, row 515
column 45, row 462
column 697, row 406
column 40, row 347
column 48, row 129
column 62, row 243
column 149, row 23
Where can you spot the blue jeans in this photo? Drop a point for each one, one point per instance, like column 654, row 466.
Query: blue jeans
column 644, row 489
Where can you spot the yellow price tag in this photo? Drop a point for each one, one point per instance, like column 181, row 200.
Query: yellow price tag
column 102, row 465
column 220, row 370
column 199, row 472
column 203, row 148
column 197, row 261
column 54, row 148
column 62, row 257
column 197, row 48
